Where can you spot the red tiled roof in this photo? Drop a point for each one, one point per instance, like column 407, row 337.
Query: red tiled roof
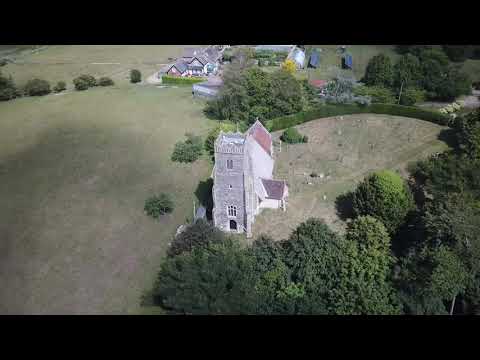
column 262, row 136
column 274, row 188
column 318, row 83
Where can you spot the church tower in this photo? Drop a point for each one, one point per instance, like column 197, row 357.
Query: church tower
column 229, row 205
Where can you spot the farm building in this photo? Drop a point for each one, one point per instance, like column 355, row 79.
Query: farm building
column 314, row 61
column 180, row 68
column 298, row 56
column 347, row 62
column 207, row 89
column 196, row 62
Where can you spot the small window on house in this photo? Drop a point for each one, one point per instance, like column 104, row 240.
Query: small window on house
column 229, row 164
column 232, row 210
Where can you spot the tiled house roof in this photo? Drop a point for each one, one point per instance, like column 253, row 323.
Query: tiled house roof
column 261, row 136
column 275, row 188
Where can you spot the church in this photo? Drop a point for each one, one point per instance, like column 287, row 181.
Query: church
column 243, row 181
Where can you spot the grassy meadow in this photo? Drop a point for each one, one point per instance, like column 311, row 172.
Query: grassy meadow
column 75, row 170
column 344, row 150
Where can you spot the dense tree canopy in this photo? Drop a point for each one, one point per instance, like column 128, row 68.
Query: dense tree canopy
column 254, row 93
column 385, row 196
column 379, row 71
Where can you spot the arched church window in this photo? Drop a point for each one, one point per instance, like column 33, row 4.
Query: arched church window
column 232, row 210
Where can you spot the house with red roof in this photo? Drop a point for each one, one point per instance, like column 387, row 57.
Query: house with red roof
column 243, row 181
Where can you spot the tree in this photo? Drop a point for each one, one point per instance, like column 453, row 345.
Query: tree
column 378, row 94
column 158, row 205
column 367, row 284
column 199, row 233
column 452, row 84
column 80, row 84
column 8, row 90
column 215, row 279
column 315, row 256
column 456, row 53
column 468, row 134
column 431, row 278
column 61, row 86
column 385, row 196
column 213, row 134
column 105, row 81
column 289, row 66
column 37, row 87
column 411, row 96
column 292, row 136
column 89, row 79
column 407, row 71
column 379, row 71
column 189, row 150
column 135, row 76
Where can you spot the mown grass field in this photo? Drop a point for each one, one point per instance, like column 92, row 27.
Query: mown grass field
column 65, row 62
column 75, row 170
column 345, row 150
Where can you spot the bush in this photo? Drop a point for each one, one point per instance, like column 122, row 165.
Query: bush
column 385, row 196
column 37, row 87
column 412, row 96
column 378, row 94
column 89, row 79
column 189, row 150
column 3, row 62
column 329, row 110
column 200, row 233
column 158, row 205
column 105, row 81
column 178, row 80
column 292, row 136
column 8, row 94
column 60, row 86
column 135, row 76
column 80, row 84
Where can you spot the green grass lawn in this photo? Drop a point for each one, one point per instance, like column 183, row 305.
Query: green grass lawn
column 343, row 149
column 65, row 62
column 75, row 170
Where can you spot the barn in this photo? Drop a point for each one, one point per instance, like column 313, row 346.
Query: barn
column 314, row 61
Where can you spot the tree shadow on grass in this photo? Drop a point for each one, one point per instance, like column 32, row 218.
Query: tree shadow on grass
column 204, row 195
column 344, row 206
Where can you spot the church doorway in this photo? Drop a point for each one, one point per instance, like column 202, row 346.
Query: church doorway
column 233, row 225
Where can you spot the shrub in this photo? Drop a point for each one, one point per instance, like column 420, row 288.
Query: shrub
column 178, row 80
column 292, row 136
column 412, row 96
column 60, row 86
column 188, row 151
column 200, row 233
column 8, row 90
column 3, row 62
column 379, row 71
column 135, row 76
column 80, row 84
column 105, row 81
column 89, row 79
column 158, row 205
column 378, row 94
column 37, row 87
column 385, row 196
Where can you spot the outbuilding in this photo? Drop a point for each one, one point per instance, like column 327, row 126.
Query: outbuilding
column 314, row 59
column 347, row 62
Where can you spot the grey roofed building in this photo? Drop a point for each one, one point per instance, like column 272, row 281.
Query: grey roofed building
column 180, row 65
column 314, row 59
column 243, row 179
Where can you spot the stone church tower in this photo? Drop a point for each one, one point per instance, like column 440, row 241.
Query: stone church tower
column 242, row 179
